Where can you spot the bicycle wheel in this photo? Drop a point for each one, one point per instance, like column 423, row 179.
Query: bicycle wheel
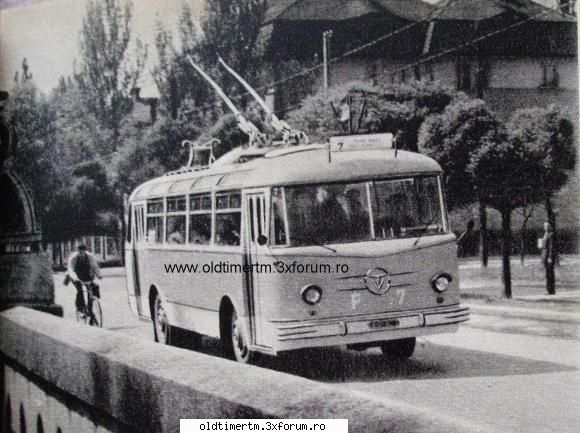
column 96, row 316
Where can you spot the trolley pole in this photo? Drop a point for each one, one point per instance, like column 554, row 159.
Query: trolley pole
column 325, row 51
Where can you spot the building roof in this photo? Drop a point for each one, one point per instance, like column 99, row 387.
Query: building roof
column 340, row 10
column 410, row 10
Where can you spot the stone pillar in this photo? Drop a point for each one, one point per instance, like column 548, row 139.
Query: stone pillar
column 25, row 269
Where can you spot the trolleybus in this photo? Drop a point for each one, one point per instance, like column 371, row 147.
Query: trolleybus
column 285, row 245
column 279, row 248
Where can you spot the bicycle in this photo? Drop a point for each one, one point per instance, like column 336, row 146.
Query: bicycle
column 92, row 312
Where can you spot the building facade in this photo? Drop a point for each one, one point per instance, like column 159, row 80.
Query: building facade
column 511, row 53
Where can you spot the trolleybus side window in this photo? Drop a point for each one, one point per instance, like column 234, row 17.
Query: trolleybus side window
column 176, row 218
column 155, row 221
column 139, row 225
column 228, row 218
column 278, row 220
column 200, row 219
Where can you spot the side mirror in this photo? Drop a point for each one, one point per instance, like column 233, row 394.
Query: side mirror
column 262, row 240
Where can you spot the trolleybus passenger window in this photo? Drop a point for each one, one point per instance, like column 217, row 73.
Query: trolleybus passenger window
column 155, row 221
column 176, row 207
column 277, row 221
column 200, row 219
column 228, row 218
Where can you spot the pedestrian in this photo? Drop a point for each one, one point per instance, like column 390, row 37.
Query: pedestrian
column 546, row 244
column 464, row 239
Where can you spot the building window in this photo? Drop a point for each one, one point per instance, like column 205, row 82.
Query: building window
column 463, row 67
column 550, row 76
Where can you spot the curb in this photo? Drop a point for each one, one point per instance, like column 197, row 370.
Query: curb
column 526, row 313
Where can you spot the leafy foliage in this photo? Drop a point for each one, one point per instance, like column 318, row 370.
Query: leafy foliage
column 397, row 109
column 152, row 151
column 37, row 156
column 231, row 29
column 547, row 135
column 452, row 137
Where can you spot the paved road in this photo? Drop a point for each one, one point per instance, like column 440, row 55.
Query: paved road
column 514, row 374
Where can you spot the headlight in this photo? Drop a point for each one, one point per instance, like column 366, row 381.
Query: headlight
column 441, row 282
column 311, row 294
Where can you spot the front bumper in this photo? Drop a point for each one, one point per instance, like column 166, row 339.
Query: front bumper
column 367, row 328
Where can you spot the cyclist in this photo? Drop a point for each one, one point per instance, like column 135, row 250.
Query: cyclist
column 83, row 267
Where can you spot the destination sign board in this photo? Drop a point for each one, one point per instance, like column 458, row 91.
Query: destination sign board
column 361, row 142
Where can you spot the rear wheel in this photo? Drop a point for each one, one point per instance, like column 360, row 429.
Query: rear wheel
column 398, row 349
column 96, row 316
column 236, row 341
column 161, row 327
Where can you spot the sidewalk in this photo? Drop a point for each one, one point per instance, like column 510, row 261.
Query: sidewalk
column 482, row 289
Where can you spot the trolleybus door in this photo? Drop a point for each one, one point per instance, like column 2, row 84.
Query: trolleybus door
column 255, row 234
column 132, row 256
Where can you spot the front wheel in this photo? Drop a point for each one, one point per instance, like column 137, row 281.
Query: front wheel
column 161, row 327
column 398, row 349
column 236, row 344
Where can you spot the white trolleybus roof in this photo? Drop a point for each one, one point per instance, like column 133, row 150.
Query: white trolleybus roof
column 302, row 164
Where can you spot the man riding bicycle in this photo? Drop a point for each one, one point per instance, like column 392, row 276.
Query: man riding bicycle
column 83, row 267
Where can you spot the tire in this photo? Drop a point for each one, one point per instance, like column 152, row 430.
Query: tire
column 398, row 349
column 96, row 318
column 161, row 327
column 236, row 341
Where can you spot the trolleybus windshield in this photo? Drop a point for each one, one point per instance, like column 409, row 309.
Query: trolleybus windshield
column 355, row 212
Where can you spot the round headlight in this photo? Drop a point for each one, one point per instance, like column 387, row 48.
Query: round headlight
column 441, row 282
column 311, row 294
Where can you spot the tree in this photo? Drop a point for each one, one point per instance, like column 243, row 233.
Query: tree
column 174, row 76
column 502, row 171
column 547, row 135
column 231, row 29
column 451, row 138
column 397, row 109
column 37, row 158
column 107, row 76
column 151, row 151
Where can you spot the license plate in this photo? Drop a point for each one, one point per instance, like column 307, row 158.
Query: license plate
column 383, row 323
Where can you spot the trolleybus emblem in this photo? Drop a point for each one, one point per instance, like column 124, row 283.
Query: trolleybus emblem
column 375, row 280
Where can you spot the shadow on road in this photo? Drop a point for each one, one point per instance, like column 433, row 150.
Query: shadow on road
column 430, row 361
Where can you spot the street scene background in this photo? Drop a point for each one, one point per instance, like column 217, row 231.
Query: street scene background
column 101, row 97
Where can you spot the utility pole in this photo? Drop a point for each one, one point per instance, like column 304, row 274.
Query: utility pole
column 325, row 52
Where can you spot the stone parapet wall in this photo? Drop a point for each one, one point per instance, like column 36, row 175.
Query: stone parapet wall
column 67, row 373
column 26, row 277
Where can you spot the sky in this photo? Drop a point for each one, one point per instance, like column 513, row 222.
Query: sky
column 47, row 34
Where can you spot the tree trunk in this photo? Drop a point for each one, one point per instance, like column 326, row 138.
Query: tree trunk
column 550, row 264
column 506, row 236
column 484, row 247
column 121, row 237
column 523, row 238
